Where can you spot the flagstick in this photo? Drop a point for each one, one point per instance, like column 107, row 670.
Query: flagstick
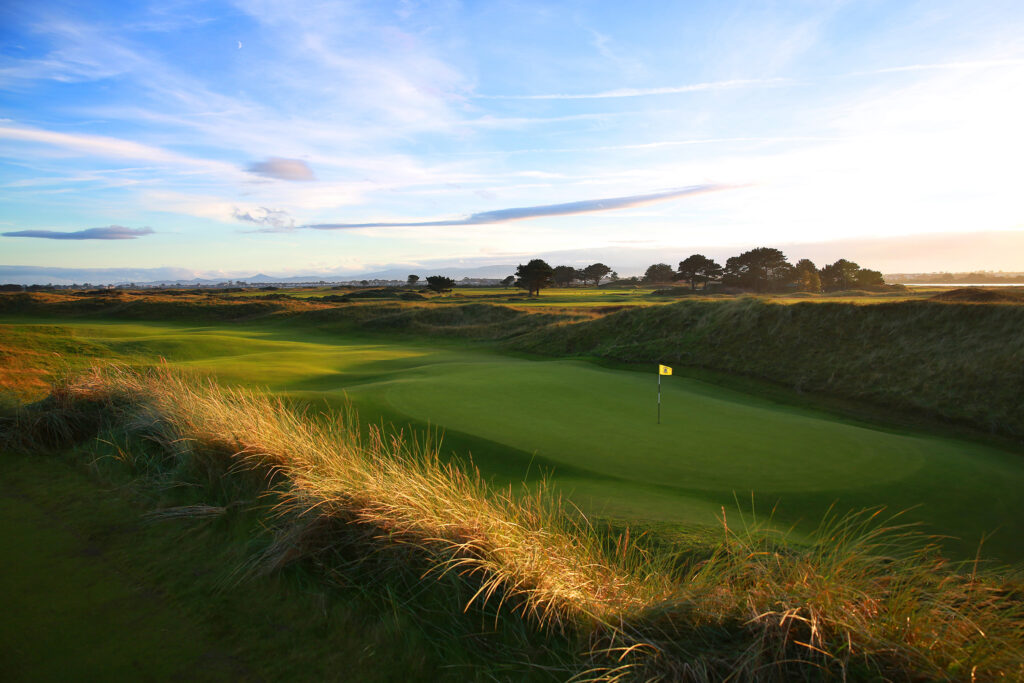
column 659, row 395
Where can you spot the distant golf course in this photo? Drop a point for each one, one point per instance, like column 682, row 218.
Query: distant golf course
column 591, row 429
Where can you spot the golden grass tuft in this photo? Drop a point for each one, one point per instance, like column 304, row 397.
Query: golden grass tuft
column 865, row 598
column 527, row 549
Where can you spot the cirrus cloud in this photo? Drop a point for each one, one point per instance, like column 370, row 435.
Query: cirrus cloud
column 111, row 232
column 527, row 212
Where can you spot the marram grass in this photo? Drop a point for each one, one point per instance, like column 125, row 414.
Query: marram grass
column 864, row 598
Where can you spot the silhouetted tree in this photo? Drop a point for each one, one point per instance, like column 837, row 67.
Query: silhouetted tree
column 839, row 275
column 659, row 272
column 564, row 275
column 507, row 282
column 698, row 268
column 595, row 272
column 763, row 269
column 534, row 276
column 412, row 280
column 440, row 283
column 869, row 278
column 806, row 277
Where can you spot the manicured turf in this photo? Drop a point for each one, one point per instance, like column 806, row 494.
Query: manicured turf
column 593, row 430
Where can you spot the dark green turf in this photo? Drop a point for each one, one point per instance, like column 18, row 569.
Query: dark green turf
column 92, row 591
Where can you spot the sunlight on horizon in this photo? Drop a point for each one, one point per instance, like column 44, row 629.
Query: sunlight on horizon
column 215, row 137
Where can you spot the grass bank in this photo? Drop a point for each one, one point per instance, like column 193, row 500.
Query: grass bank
column 862, row 599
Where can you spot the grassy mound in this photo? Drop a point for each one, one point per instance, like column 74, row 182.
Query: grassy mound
column 379, row 294
column 149, row 306
column 980, row 296
column 472, row 321
column 863, row 599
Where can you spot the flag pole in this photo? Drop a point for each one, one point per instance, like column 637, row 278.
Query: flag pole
column 659, row 395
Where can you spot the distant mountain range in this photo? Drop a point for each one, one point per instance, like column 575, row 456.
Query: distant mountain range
column 924, row 253
column 29, row 275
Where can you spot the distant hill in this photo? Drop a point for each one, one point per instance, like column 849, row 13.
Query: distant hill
column 28, row 275
column 975, row 278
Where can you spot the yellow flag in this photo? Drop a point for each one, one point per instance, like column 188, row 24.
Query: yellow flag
column 664, row 370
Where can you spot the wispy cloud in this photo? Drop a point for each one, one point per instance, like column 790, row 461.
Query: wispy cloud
column 645, row 92
column 666, row 143
column 108, row 147
column 282, row 169
column 271, row 220
column 112, row 232
column 527, row 212
column 976, row 64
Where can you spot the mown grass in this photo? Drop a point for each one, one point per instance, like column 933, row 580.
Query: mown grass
column 959, row 362
column 864, row 598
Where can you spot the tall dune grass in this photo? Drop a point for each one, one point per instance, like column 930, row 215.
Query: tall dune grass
column 865, row 598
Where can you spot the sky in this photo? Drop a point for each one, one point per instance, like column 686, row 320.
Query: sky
column 344, row 137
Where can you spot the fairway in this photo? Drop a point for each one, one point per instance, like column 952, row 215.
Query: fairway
column 592, row 430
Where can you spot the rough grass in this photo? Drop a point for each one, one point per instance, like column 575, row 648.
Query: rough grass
column 864, row 599
column 978, row 295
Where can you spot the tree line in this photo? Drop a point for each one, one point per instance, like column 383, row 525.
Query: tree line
column 764, row 269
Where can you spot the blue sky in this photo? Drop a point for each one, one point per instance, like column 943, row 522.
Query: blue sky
column 223, row 137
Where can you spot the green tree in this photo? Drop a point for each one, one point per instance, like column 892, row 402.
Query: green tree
column 440, row 283
column 764, row 269
column 534, row 276
column 595, row 272
column 806, row 277
column 412, row 280
column 839, row 275
column 564, row 275
column 698, row 268
column 507, row 282
column 659, row 273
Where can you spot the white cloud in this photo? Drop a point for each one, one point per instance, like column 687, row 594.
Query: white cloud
column 271, row 220
column 110, row 148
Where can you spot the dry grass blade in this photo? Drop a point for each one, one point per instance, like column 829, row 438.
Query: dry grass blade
column 865, row 598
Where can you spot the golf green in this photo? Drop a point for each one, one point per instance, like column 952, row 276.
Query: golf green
column 592, row 430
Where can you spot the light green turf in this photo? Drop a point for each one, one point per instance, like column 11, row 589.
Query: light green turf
column 593, row 429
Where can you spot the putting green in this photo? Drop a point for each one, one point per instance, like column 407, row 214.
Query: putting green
column 593, row 429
